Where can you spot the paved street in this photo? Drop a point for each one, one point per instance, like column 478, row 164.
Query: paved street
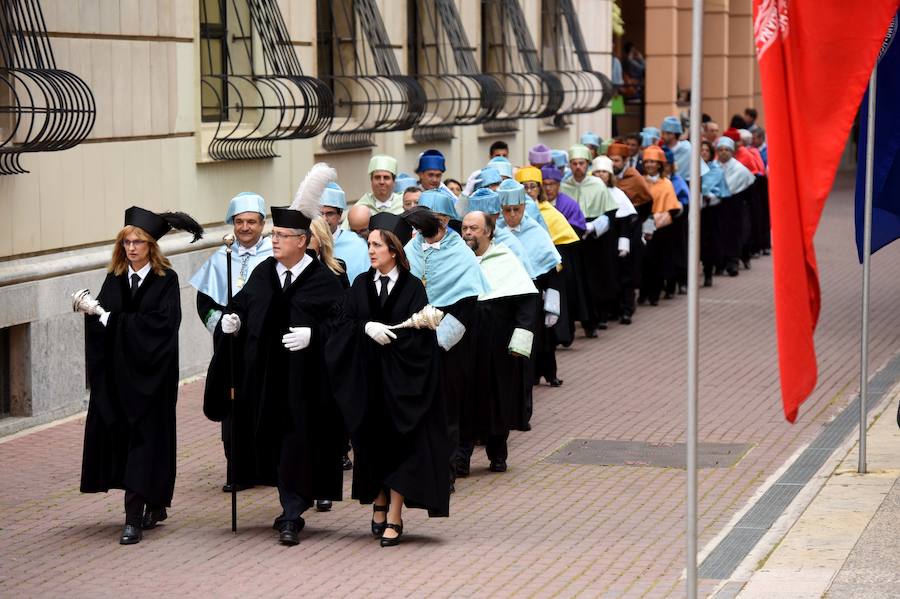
column 541, row 529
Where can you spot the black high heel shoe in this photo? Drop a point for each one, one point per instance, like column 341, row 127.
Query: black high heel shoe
column 378, row 527
column 391, row 542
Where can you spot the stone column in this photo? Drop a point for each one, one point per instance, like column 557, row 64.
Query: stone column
column 661, row 78
column 741, row 58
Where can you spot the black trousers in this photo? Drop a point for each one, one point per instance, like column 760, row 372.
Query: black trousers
column 494, row 446
column 134, row 508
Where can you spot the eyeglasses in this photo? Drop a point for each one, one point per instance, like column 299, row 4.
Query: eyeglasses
column 276, row 235
column 136, row 243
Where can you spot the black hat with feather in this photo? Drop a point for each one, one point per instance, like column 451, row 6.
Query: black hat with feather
column 157, row 225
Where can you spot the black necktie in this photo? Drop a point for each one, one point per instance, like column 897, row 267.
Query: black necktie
column 135, row 279
column 383, row 293
column 287, row 280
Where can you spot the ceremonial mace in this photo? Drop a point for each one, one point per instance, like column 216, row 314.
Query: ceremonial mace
column 428, row 317
column 229, row 241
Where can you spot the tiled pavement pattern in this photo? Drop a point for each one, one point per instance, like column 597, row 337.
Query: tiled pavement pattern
column 539, row 530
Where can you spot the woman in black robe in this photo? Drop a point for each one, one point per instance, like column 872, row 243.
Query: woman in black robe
column 386, row 383
column 132, row 363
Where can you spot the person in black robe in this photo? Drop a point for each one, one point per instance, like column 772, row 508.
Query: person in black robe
column 504, row 338
column 386, row 383
column 247, row 215
column 280, row 321
column 131, row 343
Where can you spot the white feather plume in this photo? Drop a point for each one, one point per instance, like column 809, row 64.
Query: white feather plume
column 306, row 200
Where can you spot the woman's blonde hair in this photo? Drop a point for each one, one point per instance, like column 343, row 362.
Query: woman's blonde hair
column 320, row 230
column 119, row 263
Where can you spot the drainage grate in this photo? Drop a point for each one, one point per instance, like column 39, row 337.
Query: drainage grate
column 636, row 453
column 741, row 539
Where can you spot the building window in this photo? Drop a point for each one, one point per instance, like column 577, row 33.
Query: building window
column 213, row 60
column 15, row 371
column 5, row 395
column 42, row 108
column 443, row 61
column 254, row 100
column 358, row 62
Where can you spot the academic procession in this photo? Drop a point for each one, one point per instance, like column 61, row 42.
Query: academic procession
column 302, row 310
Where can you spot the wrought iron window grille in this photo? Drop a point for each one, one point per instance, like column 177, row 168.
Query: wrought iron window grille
column 443, row 62
column 257, row 102
column 357, row 61
column 42, row 108
column 509, row 55
column 562, row 43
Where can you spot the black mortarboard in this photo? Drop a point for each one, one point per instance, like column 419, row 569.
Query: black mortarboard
column 393, row 223
column 282, row 216
column 157, row 225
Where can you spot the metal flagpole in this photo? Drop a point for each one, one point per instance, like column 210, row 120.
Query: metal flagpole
column 867, row 260
column 693, row 325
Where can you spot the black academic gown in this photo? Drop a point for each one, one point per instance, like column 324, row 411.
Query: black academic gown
column 389, row 397
column 500, row 385
column 544, row 353
column 132, row 364
column 297, row 430
column 601, row 255
column 629, row 265
column 734, row 227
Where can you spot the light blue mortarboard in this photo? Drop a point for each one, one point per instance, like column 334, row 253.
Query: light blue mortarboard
column 511, row 193
column 725, row 142
column 649, row 136
column 503, row 165
column 489, row 176
column 590, row 139
column 246, row 201
column 484, row 200
column 404, row 181
column 560, row 158
column 334, row 196
column 440, row 201
column 671, row 124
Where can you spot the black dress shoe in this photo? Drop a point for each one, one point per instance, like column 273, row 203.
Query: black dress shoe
column 289, row 532
column 720, row 271
column 323, row 505
column 626, row 319
column 463, row 467
column 746, row 264
column 378, row 527
column 707, row 281
column 131, row 534
column 346, row 464
column 654, row 302
column 590, row 333
column 733, row 272
column 497, row 466
column 392, row 541
column 602, row 325
column 238, row 487
column 668, row 295
column 555, row 382
column 641, row 300
column 153, row 517
column 765, row 252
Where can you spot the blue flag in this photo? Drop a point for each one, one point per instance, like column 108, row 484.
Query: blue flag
column 886, row 174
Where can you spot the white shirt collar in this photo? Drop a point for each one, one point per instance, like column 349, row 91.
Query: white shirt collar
column 295, row 269
column 392, row 275
column 250, row 250
column 379, row 205
column 142, row 273
column 435, row 246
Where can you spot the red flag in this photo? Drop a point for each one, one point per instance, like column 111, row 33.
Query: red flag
column 815, row 59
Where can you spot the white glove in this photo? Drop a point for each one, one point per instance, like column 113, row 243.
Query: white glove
column 231, row 324
column 714, row 200
column 297, row 339
column 551, row 301
column 104, row 318
column 624, row 246
column 471, row 182
column 379, row 333
column 550, row 319
column 599, row 225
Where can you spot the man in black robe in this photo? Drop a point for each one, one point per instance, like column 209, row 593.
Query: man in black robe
column 280, row 320
column 247, row 214
column 504, row 336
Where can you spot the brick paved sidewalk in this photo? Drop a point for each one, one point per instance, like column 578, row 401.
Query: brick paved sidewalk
column 541, row 529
